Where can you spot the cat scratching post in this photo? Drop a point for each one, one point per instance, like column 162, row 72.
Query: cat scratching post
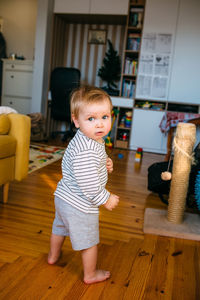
column 176, row 223
column 183, row 146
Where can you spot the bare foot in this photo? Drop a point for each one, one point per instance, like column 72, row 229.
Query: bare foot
column 100, row 275
column 52, row 259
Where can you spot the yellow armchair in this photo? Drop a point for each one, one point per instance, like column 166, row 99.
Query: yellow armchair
column 15, row 132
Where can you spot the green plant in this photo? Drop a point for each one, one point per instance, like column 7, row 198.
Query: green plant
column 111, row 69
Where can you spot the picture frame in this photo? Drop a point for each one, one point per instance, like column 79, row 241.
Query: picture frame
column 97, row 36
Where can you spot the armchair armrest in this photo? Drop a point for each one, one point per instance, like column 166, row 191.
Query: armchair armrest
column 21, row 131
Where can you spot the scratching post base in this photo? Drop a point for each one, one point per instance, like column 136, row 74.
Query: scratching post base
column 155, row 222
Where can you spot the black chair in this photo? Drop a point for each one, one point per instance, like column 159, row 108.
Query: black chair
column 62, row 82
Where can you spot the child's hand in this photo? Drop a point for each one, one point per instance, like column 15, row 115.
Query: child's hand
column 112, row 202
column 109, row 165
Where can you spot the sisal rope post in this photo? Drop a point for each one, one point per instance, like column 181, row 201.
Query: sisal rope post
column 183, row 147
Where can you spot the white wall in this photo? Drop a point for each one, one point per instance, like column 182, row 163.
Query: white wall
column 19, row 25
column 20, row 20
column 42, row 55
column 88, row 58
column 185, row 79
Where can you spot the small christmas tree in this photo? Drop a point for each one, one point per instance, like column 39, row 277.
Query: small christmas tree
column 111, row 69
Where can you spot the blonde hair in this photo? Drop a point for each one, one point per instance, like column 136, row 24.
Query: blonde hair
column 87, row 95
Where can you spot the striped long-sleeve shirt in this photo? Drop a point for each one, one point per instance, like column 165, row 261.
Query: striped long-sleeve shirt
column 84, row 174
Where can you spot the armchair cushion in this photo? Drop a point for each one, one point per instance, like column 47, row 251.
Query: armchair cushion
column 14, row 149
column 20, row 130
column 7, row 146
column 4, row 124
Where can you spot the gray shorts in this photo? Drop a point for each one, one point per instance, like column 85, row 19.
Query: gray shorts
column 82, row 228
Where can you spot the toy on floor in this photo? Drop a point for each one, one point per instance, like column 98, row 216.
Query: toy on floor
column 138, row 154
column 108, row 141
column 120, row 156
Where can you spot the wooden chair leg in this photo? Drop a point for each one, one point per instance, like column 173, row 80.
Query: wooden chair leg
column 5, row 192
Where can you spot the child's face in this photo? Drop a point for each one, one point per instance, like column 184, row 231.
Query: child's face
column 94, row 120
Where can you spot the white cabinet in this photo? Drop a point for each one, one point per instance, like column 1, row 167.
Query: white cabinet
column 122, row 102
column 106, row 7
column 109, row 7
column 17, row 84
column 160, row 16
column 72, row 7
column 146, row 133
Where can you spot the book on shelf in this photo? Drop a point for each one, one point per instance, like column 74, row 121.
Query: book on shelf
column 131, row 66
column 136, row 17
column 133, row 42
column 128, row 88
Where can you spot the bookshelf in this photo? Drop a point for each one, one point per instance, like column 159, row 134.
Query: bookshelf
column 132, row 43
column 123, row 124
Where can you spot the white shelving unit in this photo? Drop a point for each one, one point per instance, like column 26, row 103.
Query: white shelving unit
column 17, row 84
column 178, row 19
column 122, row 105
column 144, row 131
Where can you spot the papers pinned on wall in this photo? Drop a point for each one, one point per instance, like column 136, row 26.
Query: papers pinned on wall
column 154, row 66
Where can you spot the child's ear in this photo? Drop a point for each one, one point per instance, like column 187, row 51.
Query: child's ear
column 76, row 123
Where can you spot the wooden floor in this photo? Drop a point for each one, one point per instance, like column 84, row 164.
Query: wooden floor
column 142, row 266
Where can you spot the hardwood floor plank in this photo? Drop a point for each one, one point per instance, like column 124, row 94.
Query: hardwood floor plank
column 170, row 271
column 6, row 255
column 107, row 260
column 66, row 279
column 12, row 274
column 117, row 286
column 155, row 285
column 2, row 264
column 36, row 281
column 139, row 274
column 197, row 268
column 142, row 266
column 186, row 283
